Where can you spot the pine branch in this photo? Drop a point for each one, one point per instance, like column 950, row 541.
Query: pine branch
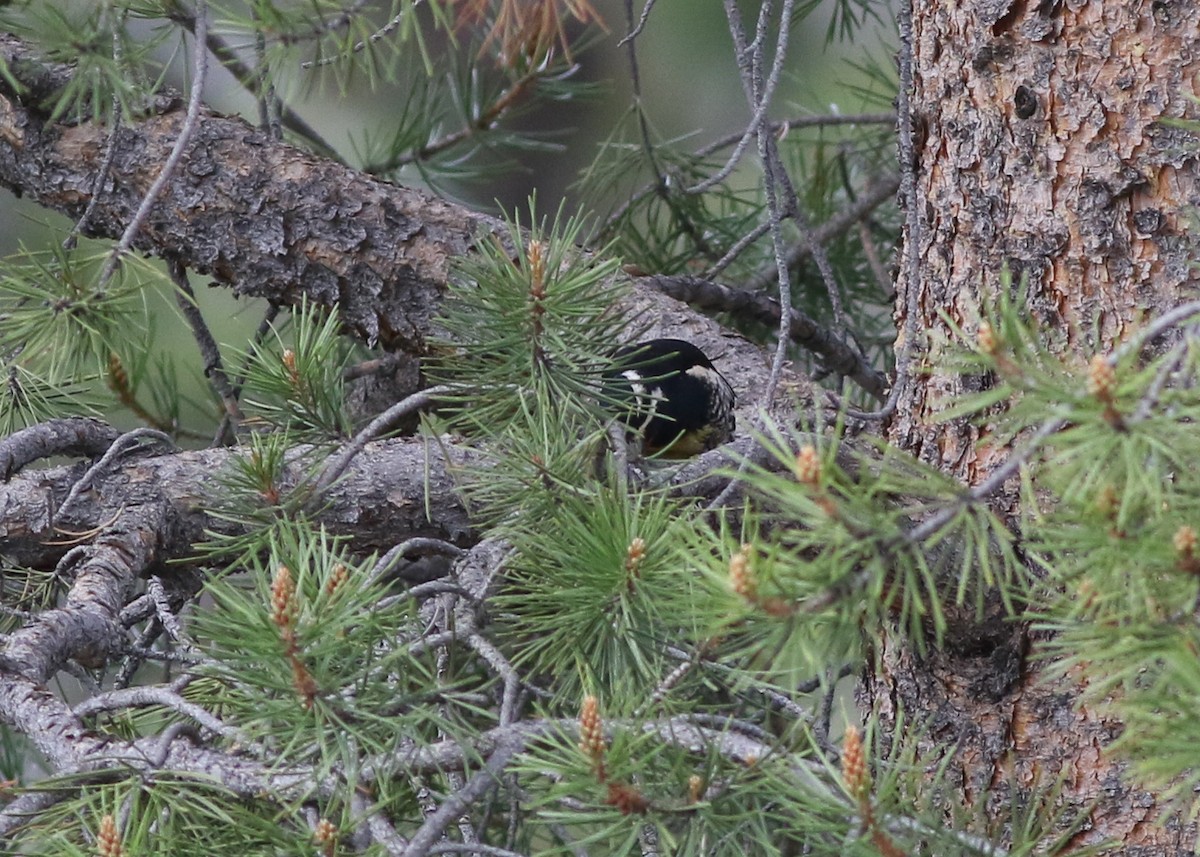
column 383, row 254
column 88, row 626
column 836, row 355
column 73, row 436
column 486, row 779
column 74, row 750
column 171, row 162
column 487, row 120
column 383, row 492
column 135, row 697
column 214, row 367
column 384, row 258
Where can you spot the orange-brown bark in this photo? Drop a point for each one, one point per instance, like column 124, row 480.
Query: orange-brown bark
column 1044, row 144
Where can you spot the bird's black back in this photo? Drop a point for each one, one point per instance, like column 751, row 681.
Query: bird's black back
column 670, row 393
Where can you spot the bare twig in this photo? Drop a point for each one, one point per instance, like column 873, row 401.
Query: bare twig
column 118, row 447
column 989, row 486
column 486, row 779
column 775, row 129
column 835, row 353
column 269, row 106
column 110, row 153
column 501, row 666
column 186, row 130
column 826, row 120
column 822, row 721
column 931, row 525
column 422, row 591
column 882, row 279
column 912, row 221
column 1160, row 325
column 142, row 697
column 422, row 545
column 641, row 25
column 736, row 249
column 976, row 844
column 486, row 121
column 874, row 196
column 136, row 654
column 1150, row 399
column 761, row 101
column 29, row 805
column 472, row 848
column 373, row 430
column 110, row 150
column 660, row 185
column 224, row 433
column 358, row 47
column 214, row 368
column 750, row 68
column 253, row 82
column 671, row 679
column 162, row 609
column 70, row 436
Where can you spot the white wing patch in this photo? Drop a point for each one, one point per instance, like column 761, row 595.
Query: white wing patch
column 647, row 399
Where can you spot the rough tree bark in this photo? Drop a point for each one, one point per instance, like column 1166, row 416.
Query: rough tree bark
column 1041, row 145
column 268, row 220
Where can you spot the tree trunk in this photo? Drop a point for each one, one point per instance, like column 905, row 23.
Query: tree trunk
column 1040, row 145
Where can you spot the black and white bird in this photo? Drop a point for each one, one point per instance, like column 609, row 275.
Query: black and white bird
column 668, row 392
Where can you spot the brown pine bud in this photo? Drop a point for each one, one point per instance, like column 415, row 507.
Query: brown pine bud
column 591, row 734
column 985, row 337
column 108, row 840
column 854, row 765
column 808, row 467
column 118, row 378
column 283, row 602
column 302, row 680
column 633, row 560
column 325, row 836
column 1101, row 379
column 535, row 252
column 1085, row 594
column 627, row 799
column 1185, row 541
column 1102, row 385
column 1107, row 501
column 337, row 579
column 741, row 574
column 289, row 363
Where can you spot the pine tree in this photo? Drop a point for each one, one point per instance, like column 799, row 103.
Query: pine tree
column 402, row 584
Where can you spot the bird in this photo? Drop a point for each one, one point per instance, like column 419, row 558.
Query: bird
column 669, row 393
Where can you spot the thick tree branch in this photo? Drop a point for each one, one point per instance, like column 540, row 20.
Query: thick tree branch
column 71, row 749
column 382, row 498
column 72, row 436
column 255, row 214
column 87, row 627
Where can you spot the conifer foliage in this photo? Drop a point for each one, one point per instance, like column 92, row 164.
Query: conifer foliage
column 383, row 574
